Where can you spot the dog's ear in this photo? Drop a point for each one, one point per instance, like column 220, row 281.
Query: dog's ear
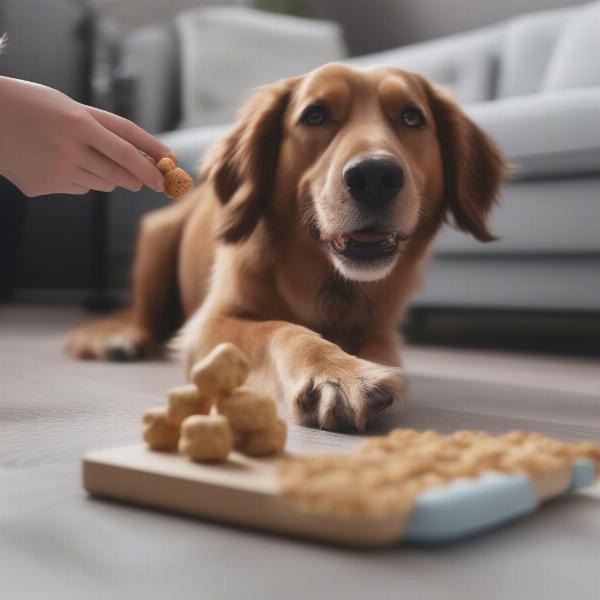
column 242, row 166
column 473, row 166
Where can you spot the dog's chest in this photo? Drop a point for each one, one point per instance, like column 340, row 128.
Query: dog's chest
column 335, row 308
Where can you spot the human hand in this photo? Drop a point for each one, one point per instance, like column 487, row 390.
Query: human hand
column 52, row 144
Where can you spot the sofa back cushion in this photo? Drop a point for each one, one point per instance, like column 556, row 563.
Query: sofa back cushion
column 576, row 59
column 528, row 44
column 225, row 52
column 465, row 64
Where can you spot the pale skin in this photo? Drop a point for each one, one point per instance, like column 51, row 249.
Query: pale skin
column 51, row 144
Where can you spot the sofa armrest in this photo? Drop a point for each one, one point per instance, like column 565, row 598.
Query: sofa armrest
column 546, row 135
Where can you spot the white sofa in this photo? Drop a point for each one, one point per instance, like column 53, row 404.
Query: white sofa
column 533, row 83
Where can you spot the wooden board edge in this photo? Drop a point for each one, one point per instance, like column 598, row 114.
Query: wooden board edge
column 262, row 511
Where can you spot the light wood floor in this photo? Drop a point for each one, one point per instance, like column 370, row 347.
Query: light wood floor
column 52, row 409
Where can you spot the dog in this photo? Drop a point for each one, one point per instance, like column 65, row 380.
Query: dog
column 307, row 238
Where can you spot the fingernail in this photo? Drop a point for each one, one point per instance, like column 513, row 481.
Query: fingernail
column 159, row 184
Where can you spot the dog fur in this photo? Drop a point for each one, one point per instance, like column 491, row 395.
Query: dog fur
column 247, row 257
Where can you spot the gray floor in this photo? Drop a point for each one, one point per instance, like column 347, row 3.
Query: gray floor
column 57, row 543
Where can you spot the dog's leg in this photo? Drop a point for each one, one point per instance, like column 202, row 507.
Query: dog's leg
column 155, row 315
column 322, row 385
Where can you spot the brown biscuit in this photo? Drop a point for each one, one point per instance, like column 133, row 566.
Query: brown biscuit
column 165, row 165
column 184, row 401
column 248, row 410
column 263, row 442
column 220, row 371
column 177, row 183
column 206, row 438
column 159, row 432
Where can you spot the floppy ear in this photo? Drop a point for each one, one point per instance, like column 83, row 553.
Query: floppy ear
column 242, row 166
column 473, row 166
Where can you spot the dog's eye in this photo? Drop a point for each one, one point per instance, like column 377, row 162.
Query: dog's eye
column 413, row 117
column 315, row 115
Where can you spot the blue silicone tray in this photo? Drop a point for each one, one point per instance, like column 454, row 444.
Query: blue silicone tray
column 467, row 506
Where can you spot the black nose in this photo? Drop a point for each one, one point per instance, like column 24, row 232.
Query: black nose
column 373, row 179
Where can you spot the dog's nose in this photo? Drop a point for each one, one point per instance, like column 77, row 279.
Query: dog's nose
column 373, row 179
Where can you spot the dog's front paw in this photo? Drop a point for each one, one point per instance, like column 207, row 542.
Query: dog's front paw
column 342, row 397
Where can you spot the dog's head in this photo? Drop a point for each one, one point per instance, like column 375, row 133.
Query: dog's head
column 363, row 160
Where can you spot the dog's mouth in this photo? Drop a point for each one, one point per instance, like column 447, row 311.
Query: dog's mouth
column 366, row 244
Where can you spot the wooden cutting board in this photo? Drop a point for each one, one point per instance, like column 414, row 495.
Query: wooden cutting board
column 242, row 491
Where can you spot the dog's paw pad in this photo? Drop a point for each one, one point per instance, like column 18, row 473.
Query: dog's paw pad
column 378, row 399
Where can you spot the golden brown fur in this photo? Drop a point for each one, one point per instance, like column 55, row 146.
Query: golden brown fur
column 247, row 256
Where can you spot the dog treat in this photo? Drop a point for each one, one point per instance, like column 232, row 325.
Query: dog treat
column 247, row 420
column 221, row 371
column 248, row 410
column 386, row 474
column 165, row 165
column 262, row 442
column 206, row 438
column 159, row 432
column 177, row 181
column 184, row 401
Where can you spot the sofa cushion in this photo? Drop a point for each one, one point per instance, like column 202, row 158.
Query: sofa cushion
column 528, row 44
column 551, row 217
column 226, row 52
column 547, row 135
column 464, row 63
column 574, row 62
column 519, row 283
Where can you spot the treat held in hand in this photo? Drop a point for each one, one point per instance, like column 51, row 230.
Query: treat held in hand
column 177, row 181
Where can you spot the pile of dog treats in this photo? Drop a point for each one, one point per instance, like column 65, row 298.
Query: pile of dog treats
column 386, row 474
column 206, row 419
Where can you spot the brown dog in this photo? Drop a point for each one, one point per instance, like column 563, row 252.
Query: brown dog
column 308, row 237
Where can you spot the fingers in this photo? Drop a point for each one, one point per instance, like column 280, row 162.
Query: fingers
column 109, row 171
column 125, row 155
column 132, row 133
column 93, row 182
column 77, row 190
